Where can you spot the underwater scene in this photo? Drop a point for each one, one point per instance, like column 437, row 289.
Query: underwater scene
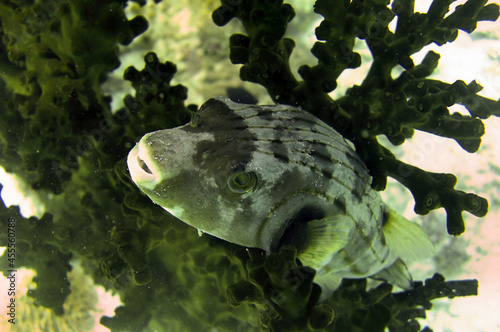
column 249, row 165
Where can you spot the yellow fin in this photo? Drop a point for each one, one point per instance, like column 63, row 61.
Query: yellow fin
column 396, row 274
column 328, row 282
column 405, row 239
column 323, row 238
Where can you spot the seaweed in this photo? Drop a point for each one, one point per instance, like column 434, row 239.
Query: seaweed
column 59, row 135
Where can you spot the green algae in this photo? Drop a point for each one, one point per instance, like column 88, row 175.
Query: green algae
column 59, row 134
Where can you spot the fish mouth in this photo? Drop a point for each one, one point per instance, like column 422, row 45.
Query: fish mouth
column 141, row 168
column 143, row 165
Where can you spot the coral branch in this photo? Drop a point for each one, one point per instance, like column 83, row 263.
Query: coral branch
column 381, row 104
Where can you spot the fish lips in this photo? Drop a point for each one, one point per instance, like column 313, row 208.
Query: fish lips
column 141, row 167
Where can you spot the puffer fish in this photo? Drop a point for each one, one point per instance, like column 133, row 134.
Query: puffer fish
column 268, row 176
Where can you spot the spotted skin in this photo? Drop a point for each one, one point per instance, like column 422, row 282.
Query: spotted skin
column 302, row 168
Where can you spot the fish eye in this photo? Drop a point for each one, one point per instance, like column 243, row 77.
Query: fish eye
column 242, row 182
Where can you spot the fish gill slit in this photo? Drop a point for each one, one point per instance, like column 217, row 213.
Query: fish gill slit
column 276, row 206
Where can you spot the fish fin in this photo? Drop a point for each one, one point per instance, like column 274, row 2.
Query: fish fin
column 396, row 274
column 328, row 282
column 405, row 239
column 322, row 238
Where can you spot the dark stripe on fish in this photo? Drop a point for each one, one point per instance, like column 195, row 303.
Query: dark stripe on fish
column 325, row 155
column 284, row 158
column 341, row 147
column 292, row 116
column 292, row 130
column 368, row 239
column 218, row 119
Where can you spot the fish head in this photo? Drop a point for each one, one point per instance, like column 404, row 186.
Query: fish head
column 206, row 174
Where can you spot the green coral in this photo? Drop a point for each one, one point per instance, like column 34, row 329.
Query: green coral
column 285, row 294
column 59, row 135
column 381, row 105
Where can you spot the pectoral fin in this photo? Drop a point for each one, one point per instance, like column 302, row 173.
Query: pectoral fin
column 328, row 282
column 322, row 238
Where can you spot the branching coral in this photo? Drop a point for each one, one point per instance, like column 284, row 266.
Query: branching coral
column 59, row 135
column 381, row 105
column 287, row 298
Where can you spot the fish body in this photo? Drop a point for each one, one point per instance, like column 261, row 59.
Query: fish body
column 265, row 176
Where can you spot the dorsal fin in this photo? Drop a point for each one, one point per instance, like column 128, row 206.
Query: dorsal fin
column 405, row 239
